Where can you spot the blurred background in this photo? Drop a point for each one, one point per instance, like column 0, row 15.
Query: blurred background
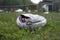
column 32, row 5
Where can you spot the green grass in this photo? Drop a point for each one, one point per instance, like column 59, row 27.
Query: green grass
column 10, row 31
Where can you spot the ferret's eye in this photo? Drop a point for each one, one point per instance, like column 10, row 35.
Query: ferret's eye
column 23, row 20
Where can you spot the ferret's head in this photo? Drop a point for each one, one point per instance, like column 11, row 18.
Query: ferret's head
column 25, row 18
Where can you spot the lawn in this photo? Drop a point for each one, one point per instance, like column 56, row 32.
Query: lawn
column 10, row 31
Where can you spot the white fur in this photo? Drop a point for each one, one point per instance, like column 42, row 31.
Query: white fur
column 34, row 18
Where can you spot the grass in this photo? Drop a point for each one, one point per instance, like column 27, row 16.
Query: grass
column 10, row 31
